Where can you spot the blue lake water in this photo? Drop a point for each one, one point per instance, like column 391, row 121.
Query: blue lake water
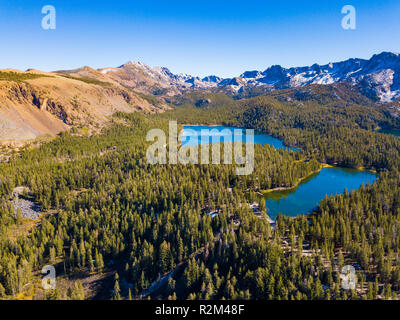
column 306, row 197
column 293, row 202
column 390, row 131
column 195, row 135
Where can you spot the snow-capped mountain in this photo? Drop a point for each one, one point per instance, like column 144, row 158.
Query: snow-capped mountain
column 152, row 80
column 378, row 78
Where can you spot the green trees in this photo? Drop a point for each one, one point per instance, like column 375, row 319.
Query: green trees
column 113, row 211
column 165, row 258
column 78, row 292
column 2, row 291
column 117, row 290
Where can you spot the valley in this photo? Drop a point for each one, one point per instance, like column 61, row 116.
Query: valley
column 117, row 227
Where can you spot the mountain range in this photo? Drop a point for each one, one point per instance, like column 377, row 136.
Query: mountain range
column 34, row 103
column 378, row 78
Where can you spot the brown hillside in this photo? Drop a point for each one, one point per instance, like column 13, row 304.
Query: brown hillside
column 34, row 103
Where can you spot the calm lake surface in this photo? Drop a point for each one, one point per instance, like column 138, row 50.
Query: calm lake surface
column 390, row 131
column 192, row 135
column 306, row 197
column 293, row 202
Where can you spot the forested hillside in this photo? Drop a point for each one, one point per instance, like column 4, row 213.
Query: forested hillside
column 110, row 216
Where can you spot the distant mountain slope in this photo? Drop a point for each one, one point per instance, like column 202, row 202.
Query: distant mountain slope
column 33, row 103
column 378, row 78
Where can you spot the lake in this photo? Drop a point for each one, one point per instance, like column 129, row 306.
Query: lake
column 391, row 131
column 192, row 136
column 306, row 197
column 296, row 201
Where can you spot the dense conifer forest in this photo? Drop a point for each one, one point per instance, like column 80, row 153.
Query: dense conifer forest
column 145, row 231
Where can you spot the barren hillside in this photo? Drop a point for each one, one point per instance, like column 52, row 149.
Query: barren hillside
column 34, row 103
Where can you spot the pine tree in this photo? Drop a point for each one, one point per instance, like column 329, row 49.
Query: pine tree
column 99, row 262
column 2, row 291
column 370, row 294
column 78, row 292
column 117, row 290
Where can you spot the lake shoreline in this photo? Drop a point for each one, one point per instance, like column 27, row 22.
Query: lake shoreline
column 256, row 135
column 303, row 198
column 310, row 177
column 299, row 181
column 323, row 165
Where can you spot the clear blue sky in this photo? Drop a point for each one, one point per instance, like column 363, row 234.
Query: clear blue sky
column 196, row 37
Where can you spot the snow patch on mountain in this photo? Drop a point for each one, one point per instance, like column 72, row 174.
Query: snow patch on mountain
column 377, row 78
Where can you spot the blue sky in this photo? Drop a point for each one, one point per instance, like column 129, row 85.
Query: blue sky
column 200, row 38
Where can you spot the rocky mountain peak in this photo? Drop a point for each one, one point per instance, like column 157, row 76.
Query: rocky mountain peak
column 377, row 78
